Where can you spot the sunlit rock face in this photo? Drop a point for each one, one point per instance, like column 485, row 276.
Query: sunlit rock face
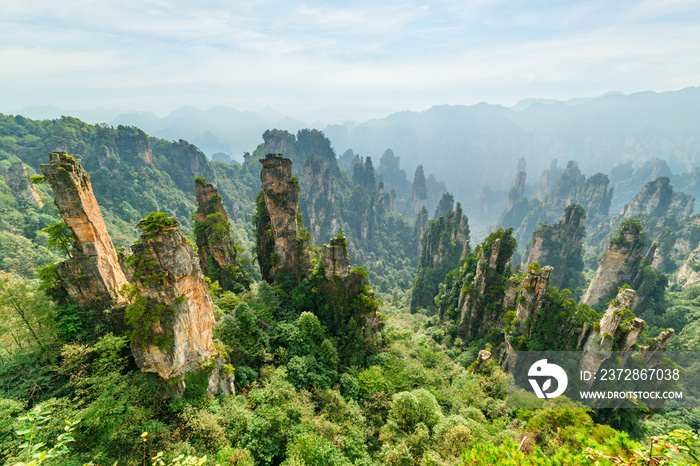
column 532, row 293
column 335, row 258
column 689, row 273
column 281, row 194
column 173, row 319
column 620, row 265
column 93, row 276
column 601, row 342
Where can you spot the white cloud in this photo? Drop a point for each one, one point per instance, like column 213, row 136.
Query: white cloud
column 402, row 54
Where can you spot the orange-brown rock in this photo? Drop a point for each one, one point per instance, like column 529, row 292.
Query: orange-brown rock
column 281, row 194
column 171, row 315
column 93, row 275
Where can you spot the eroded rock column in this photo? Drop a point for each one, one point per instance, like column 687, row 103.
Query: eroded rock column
column 93, row 277
column 620, row 265
column 281, row 194
column 215, row 245
column 336, row 261
column 171, row 313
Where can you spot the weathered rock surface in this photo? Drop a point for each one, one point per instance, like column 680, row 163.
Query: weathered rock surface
column 335, row 258
column 442, row 245
column 173, row 319
column 532, row 292
column 22, row 188
column 419, row 191
column 491, row 268
column 319, row 198
column 599, row 345
column 93, row 276
column 561, row 246
column 620, row 265
column 657, row 199
column 689, row 273
column 281, row 194
column 212, row 231
column 612, row 336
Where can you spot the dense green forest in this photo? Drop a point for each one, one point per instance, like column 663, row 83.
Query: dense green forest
column 350, row 328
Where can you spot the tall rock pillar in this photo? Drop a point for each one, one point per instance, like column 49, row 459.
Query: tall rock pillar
column 281, row 194
column 171, row 314
column 93, row 276
column 215, row 245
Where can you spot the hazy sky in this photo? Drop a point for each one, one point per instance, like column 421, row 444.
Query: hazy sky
column 158, row 55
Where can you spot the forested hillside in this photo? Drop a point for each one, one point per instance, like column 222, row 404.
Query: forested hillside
column 301, row 309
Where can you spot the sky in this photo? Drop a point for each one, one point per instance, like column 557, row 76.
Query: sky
column 354, row 56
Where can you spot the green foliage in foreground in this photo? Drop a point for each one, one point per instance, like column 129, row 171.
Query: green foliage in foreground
column 298, row 403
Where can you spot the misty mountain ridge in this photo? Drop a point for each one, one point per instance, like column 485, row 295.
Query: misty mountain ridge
column 465, row 146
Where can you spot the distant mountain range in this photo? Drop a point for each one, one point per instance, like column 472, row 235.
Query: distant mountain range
column 466, row 146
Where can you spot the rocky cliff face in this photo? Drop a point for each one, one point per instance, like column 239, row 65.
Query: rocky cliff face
column 22, row 188
column 279, row 142
column 171, row 313
column 561, row 246
column 419, row 191
column 689, row 273
column 488, row 287
column 93, row 276
column 620, row 331
column 212, row 231
column 281, row 195
column 532, row 292
column 518, row 206
column 335, row 258
column 620, row 265
column 599, row 345
column 657, row 199
column 571, row 187
column 319, row 198
column 442, row 245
